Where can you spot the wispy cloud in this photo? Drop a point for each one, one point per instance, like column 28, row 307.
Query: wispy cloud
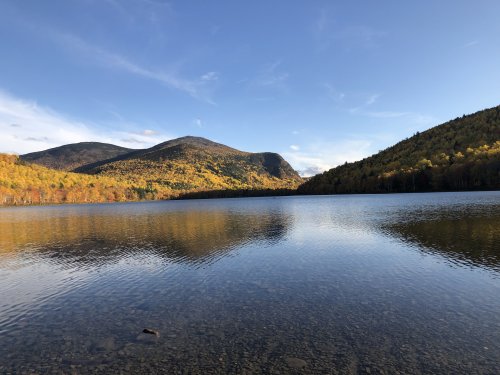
column 372, row 99
column 272, row 76
column 409, row 117
column 295, row 147
column 363, row 104
column 328, row 33
column 333, row 93
column 472, row 43
column 199, row 88
column 380, row 114
column 141, row 11
column 360, row 35
column 198, row 122
column 210, row 76
column 352, row 100
column 39, row 127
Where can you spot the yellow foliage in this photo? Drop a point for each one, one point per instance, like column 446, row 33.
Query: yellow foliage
column 135, row 179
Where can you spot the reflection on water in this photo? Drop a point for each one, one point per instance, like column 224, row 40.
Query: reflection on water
column 346, row 284
column 469, row 240
column 185, row 236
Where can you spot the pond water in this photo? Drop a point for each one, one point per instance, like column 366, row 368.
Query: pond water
column 380, row 284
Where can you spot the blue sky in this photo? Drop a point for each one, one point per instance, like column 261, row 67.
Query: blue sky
column 321, row 82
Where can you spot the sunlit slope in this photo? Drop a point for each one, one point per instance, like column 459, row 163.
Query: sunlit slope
column 165, row 171
column 23, row 183
column 462, row 154
column 197, row 164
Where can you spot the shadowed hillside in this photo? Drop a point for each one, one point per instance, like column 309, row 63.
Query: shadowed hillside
column 69, row 157
column 462, row 154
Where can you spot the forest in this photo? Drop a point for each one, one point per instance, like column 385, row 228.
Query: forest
column 22, row 183
column 462, row 154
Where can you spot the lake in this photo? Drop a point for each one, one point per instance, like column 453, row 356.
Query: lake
column 377, row 284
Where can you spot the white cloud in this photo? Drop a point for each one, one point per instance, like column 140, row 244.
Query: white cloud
column 27, row 126
column 210, row 76
column 295, row 132
column 372, row 99
column 295, row 147
column 198, row 122
column 320, row 156
column 195, row 88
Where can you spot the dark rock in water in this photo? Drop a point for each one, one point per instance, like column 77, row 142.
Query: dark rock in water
column 151, row 332
column 295, row 362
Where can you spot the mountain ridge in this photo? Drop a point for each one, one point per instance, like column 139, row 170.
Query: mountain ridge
column 71, row 156
column 184, row 164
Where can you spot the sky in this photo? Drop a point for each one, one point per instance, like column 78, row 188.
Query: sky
column 320, row 82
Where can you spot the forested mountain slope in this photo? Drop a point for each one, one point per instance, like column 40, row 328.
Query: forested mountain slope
column 168, row 170
column 72, row 156
column 194, row 164
column 24, row 183
column 462, row 154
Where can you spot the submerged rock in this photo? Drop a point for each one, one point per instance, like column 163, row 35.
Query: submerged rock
column 295, row 362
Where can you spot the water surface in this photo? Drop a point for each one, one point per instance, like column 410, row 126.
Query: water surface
column 406, row 283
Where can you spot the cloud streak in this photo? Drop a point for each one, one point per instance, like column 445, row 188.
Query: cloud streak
column 198, row 89
column 328, row 33
column 472, row 43
column 271, row 76
column 413, row 117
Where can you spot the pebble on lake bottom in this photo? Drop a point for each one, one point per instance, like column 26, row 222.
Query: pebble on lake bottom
column 295, row 362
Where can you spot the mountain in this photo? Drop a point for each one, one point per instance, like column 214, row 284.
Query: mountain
column 198, row 164
column 69, row 157
column 180, row 165
column 462, row 154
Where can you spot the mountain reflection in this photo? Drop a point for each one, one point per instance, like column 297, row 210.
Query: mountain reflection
column 189, row 237
column 465, row 239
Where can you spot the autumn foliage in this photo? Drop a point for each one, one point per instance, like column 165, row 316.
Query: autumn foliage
column 462, row 154
column 22, row 183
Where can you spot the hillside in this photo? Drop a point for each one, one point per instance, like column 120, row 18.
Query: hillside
column 69, row 157
column 22, row 183
column 198, row 164
column 462, row 154
column 107, row 173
